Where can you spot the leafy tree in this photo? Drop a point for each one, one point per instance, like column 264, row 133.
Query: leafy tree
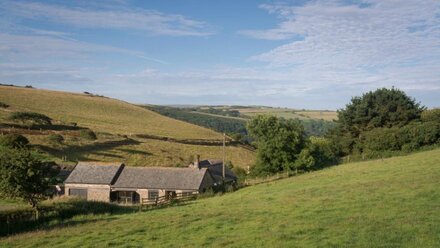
column 24, row 175
column 3, row 105
column 381, row 108
column 317, row 154
column 13, row 141
column 87, row 134
column 279, row 141
column 55, row 138
column 30, row 117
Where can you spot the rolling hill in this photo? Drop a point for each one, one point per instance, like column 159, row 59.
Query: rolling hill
column 117, row 124
column 383, row 203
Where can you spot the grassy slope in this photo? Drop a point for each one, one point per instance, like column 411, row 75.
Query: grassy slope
column 101, row 114
column 115, row 117
column 290, row 113
column 384, row 203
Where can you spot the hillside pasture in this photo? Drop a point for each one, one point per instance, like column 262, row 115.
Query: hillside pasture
column 382, row 203
column 98, row 113
column 290, row 113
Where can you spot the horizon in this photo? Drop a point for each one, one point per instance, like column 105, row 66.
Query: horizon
column 290, row 54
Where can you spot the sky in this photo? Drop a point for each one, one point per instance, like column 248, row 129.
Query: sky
column 299, row 54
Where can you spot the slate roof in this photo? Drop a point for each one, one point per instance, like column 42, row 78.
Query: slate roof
column 160, row 178
column 95, row 173
column 215, row 167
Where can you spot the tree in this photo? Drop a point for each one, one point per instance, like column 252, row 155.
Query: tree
column 30, row 117
column 13, row 141
column 317, row 154
column 381, row 108
column 25, row 176
column 279, row 141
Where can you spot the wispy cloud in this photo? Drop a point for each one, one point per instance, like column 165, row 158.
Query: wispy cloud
column 375, row 43
column 151, row 21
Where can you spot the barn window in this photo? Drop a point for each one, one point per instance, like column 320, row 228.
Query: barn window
column 153, row 194
column 82, row 193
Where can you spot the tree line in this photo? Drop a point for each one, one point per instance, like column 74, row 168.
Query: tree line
column 377, row 124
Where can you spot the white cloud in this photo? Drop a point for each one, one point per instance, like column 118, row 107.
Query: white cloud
column 376, row 43
column 151, row 21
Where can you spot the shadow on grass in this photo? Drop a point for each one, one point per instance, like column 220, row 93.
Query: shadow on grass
column 52, row 127
column 58, row 214
column 79, row 152
column 132, row 151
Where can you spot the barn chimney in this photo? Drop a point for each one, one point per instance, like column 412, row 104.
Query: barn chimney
column 197, row 161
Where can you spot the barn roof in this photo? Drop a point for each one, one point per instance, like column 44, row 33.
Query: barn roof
column 95, row 173
column 215, row 167
column 160, row 178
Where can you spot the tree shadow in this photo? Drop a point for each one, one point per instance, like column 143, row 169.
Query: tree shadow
column 78, row 152
column 60, row 215
column 52, row 127
column 132, row 151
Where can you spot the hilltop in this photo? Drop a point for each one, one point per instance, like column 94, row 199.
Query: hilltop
column 388, row 203
column 125, row 131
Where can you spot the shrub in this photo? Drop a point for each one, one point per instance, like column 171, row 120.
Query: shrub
column 431, row 115
column 317, row 154
column 87, row 134
column 13, row 141
column 30, row 117
column 55, row 138
column 3, row 105
column 407, row 138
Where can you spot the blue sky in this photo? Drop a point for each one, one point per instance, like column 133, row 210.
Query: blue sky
column 301, row 54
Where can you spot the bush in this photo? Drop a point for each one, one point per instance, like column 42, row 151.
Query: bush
column 3, row 105
column 30, row 117
column 431, row 115
column 87, row 134
column 55, row 138
column 408, row 138
column 13, row 141
column 317, row 154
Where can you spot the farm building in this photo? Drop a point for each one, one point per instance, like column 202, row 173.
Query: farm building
column 119, row 183
column 92, row 181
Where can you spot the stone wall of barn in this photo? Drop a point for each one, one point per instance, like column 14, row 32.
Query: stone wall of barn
column 95, row 192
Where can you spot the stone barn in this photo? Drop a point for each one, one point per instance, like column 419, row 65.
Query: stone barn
column 118, row 183
column 92, row 180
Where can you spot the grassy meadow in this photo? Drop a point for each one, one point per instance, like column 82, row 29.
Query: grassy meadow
column 99, row 113
column 137, row 152
column 290, row 113
column 115, row 123
column 382, row 203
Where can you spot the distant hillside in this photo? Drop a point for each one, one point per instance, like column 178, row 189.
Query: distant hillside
column 232, row 120
column 100, row 113
column 383, row 203
column 125, row 131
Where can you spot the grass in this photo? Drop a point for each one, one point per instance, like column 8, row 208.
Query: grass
column 111, row 119
column 99, row 113
column 137, row 152
column 383, row 203
column 290, row 113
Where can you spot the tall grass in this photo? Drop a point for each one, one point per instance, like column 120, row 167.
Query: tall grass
column 382, row 203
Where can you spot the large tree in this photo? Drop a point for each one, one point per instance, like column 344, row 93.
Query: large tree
column 279, row 141
column 381, row 108
column 24, row 175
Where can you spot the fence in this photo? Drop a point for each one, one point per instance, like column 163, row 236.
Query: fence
column 167, row 199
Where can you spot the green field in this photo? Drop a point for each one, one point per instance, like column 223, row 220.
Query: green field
column 116, row 124
column 99, row 113
column 290, row 113
column 383, row 203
